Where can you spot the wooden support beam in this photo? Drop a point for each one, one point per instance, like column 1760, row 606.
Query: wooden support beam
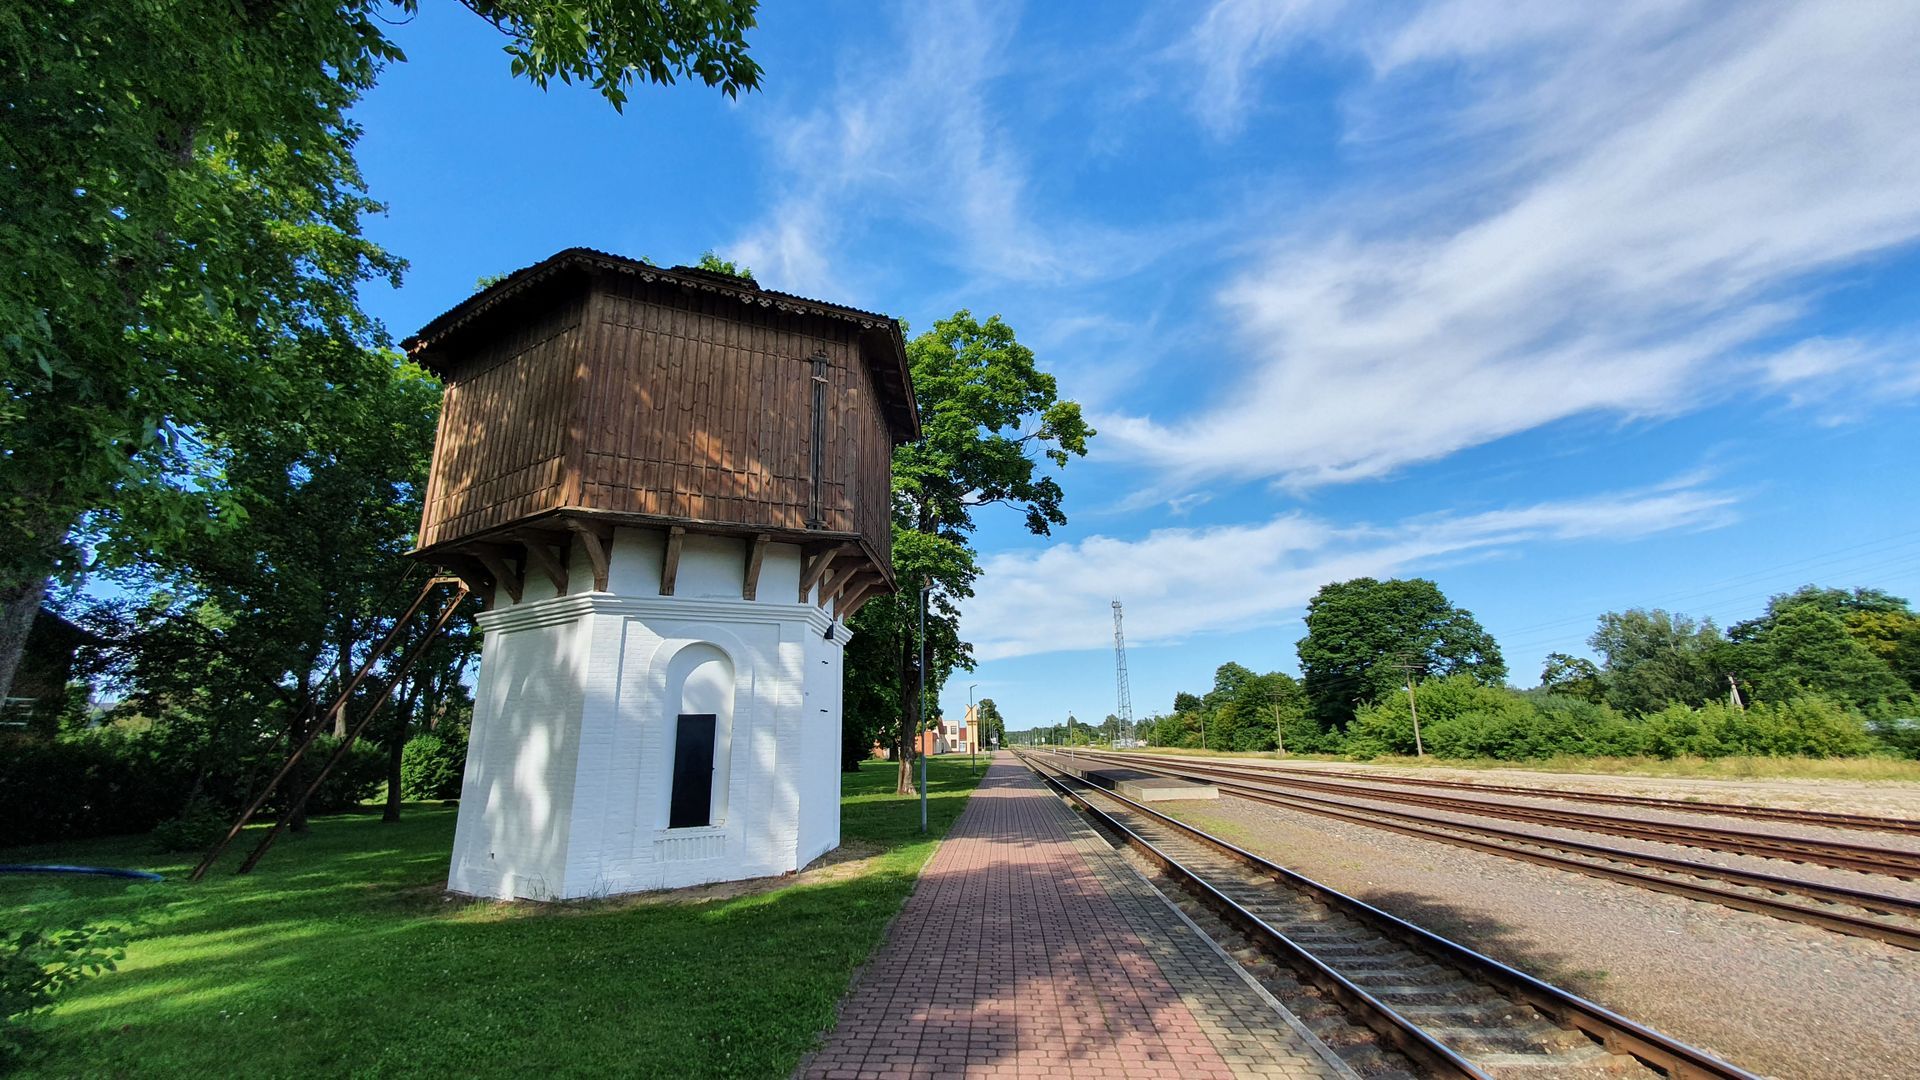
column 839, row 581
column 855, row 595
column 494, row 558
column 543, row 557
column 756, row 553
column 670, row 566
column 471, row 574
column 845, row 612
column 597, row 538
column 817, row 568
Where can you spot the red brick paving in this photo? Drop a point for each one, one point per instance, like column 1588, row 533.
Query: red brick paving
column 1012, row 959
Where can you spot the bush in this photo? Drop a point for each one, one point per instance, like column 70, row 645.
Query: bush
column 431, row 767
column 196, row 829
column 114, row 782
column 36, row 966
column 351, row 783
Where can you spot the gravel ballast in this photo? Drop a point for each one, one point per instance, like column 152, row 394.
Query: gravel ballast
column 1775, row 997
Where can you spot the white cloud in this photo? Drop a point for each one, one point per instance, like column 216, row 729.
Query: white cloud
column 1232, row 41
column 1652, row 188
column 1181, row 582
column 909, row 133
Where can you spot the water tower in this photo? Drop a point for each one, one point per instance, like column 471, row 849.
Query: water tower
column 673, row 488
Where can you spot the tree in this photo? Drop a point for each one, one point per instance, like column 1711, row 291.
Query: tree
column 248, row 613
column 1884, row 624
column 1652, row 659
column 1364, row 638
column 1808, row 648
column 1575, row 676
column 993, row 726
column 990, row 420
column 182, row 227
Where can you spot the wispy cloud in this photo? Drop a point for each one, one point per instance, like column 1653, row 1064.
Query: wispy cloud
column 912, row 134
column 1232, row 41
column 1630, row 207
column 1180, row 582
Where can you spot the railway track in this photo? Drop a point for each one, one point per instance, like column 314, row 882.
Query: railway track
column 1823, row 818
column 1858, row 912
column 1448, row 1010
column 1863, row 858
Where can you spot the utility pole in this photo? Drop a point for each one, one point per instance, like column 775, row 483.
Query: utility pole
column 1734, row 689
column 1279, row 729
column 1414, row 708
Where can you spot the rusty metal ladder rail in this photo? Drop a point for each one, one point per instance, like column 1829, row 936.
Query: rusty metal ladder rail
column 313, row 732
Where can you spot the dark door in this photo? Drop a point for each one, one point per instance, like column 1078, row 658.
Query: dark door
column 692, row 772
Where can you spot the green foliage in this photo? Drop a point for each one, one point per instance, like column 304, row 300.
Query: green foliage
column 1460, row 718
column 431, row 767
column 1652, row 658
column 183, row 241
column 37, row 966
column 989, row 418
column 992, row 724
column 713, row 262
column 1804, row 644
column 609, row 45
column 1803, row 726
column 1574, row 676
column 1364, row 635
column 111, row 782
column 199, row 824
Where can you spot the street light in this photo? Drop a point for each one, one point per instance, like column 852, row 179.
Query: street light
column 973, row 718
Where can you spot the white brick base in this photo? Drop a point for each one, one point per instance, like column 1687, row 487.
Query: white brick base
column 570, row 768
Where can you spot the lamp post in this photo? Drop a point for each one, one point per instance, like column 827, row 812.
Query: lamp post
column 973, row 721
column 920, row 736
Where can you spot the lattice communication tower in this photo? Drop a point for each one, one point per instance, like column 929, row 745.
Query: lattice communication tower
column 1124, row 691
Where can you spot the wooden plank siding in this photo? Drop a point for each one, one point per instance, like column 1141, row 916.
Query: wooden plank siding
column 644, row 398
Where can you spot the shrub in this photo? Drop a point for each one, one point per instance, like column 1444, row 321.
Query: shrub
column 430, row 767
column 351, row 783
column 115, row 782
column 198, row 826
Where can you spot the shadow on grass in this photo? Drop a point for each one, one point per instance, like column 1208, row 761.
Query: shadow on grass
column 341, row 954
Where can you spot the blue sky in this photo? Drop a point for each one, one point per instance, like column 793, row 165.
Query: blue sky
column 1571, row 307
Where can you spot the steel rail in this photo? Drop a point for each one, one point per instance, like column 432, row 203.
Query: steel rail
column 1830, row 819
column 1891, row 862
column 1401, row 1033
column 1613, row 1031
column 1839, row 921
column 1376, row 817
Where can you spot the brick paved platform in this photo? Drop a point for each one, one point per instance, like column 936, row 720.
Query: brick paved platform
column 1031, row 948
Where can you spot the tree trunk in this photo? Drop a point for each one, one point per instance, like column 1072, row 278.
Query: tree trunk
column 344, row 664
column 397, row 745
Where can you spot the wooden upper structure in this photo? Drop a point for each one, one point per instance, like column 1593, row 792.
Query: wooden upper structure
column 589, row 391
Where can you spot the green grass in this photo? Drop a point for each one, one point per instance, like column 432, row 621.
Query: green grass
column 340, row 956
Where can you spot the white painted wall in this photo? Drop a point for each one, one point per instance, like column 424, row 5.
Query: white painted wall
column 569, row 772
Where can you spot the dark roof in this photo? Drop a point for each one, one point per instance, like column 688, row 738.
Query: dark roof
column 881, row 342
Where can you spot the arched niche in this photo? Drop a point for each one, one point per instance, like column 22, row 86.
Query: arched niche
column 699, row 699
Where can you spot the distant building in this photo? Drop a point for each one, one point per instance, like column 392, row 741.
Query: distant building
column 46, row 667
column 954, row 736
